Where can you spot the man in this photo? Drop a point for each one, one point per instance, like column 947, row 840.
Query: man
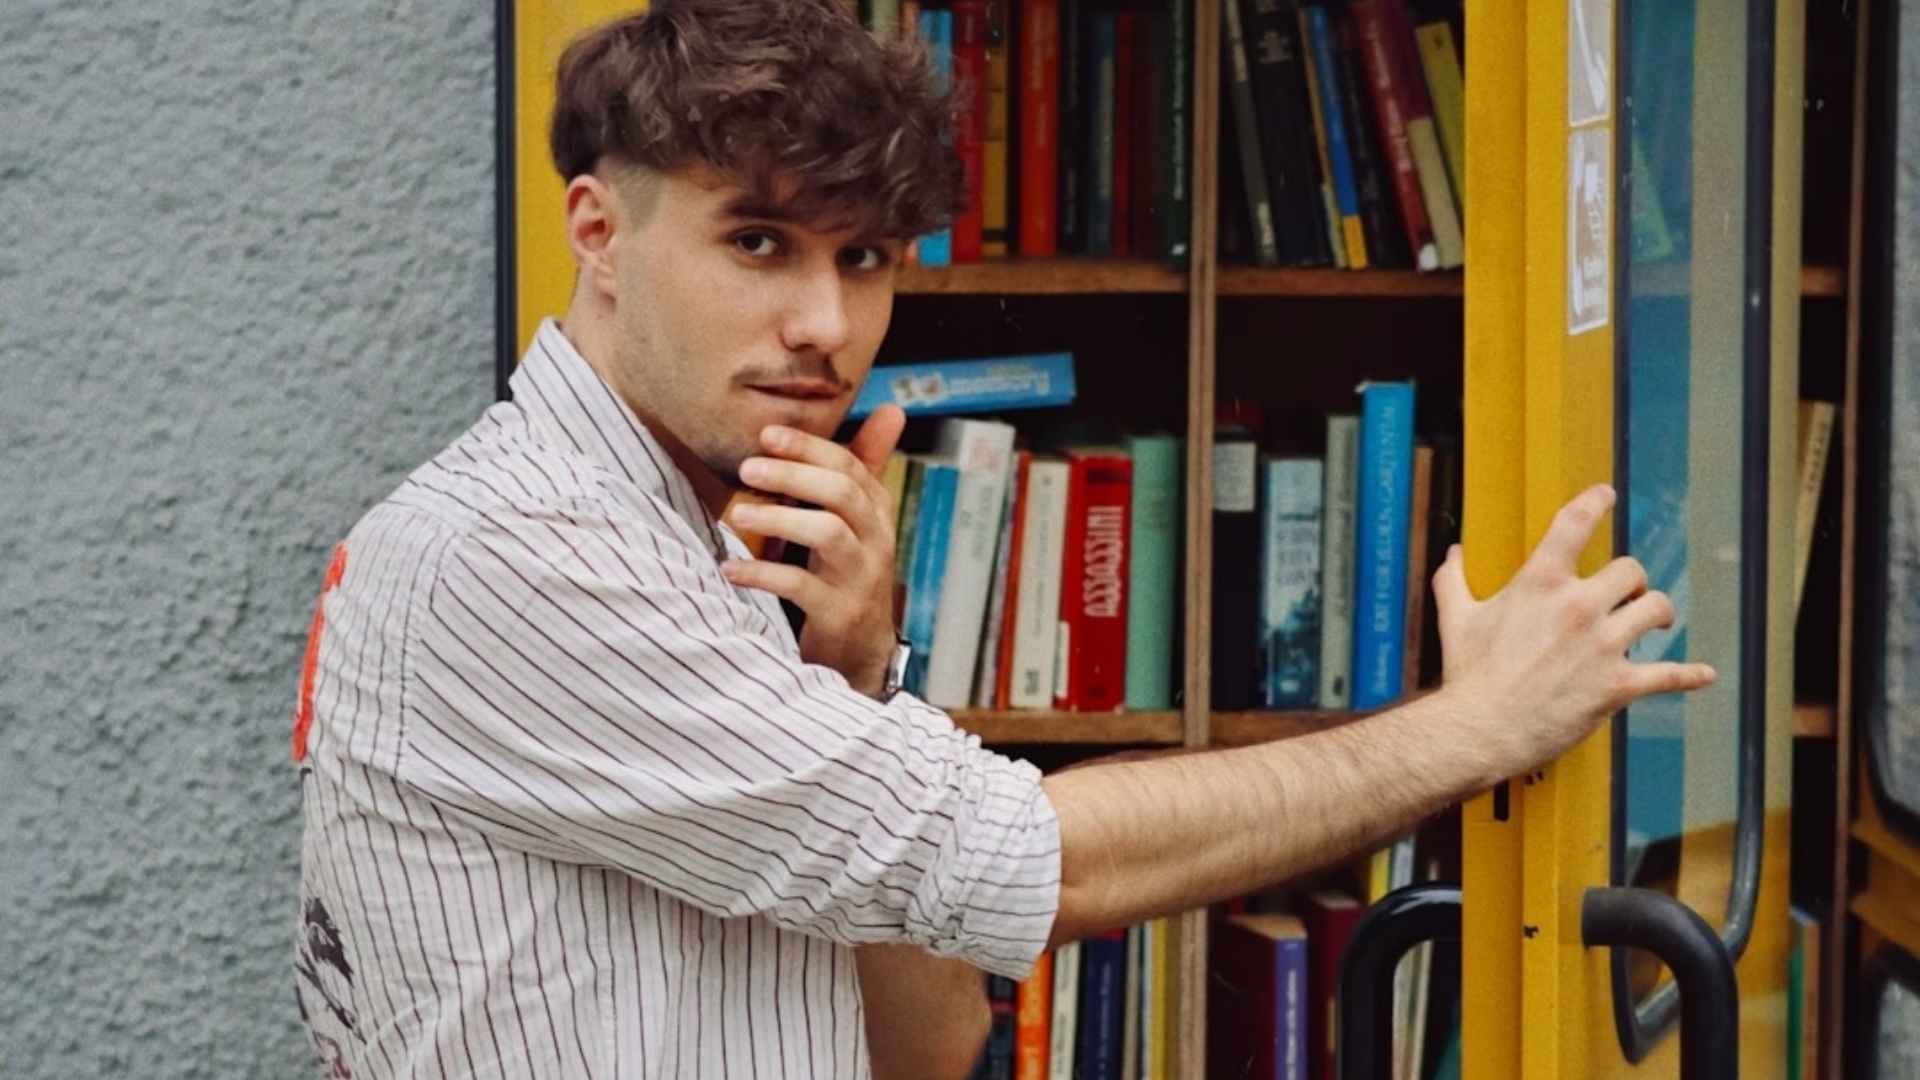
column 578, row 803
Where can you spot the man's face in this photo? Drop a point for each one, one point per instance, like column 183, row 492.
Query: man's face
column 732, row 316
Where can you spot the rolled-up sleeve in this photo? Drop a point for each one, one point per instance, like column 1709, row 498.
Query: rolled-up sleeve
column 585, row 685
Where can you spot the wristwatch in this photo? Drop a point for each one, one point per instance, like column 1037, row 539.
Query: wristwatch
column 896, row 676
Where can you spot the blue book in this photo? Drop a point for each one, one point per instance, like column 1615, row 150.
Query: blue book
column 992, row 384
column 1381, row 520
column 936, row 29
column 1346, row 194
column 1103, row 46
column 1290, row 491
column 932, row 529
column 1102, row 1006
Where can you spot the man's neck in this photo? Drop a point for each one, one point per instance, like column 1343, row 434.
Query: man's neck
column 592, row 339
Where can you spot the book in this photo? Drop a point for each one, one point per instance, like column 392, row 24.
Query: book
column 1033, row 1020
column 969, row 19
column 1440, row 63
column 996, row 178
column 1380, row 550
column 1340, row 475
column 1257, row 998
column 1036, row 601
column 1815, row 442
column 1039, row 118
column 1390, row 108
column 996, row 637
column 1289, row 620
column 982, row 451
column 1330, row 916
column 1317, row 118
column 936, row 29
column 1173, row 195
column 1152, row 569
column 1326, row 68
column 1423, row 139
column 1093, row 595
column 1097, row 1053
column 1236, row 568
column 1066, row 1011
column 933, row 525
column 1246, row 125
column 1102, row 43
column 988, row 384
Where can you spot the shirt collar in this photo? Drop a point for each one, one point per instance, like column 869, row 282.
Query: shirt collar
column 562, row 394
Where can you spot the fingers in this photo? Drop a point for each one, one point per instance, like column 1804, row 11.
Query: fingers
column 1558, row 555
column 790, row 582
column 825, row 532
column 1451, row 596
column 1620, row 581
column 873, row 444
column 1648, row 680
column 1649, row 611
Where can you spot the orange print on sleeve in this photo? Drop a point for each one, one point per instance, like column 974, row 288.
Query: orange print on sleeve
column 303, row 719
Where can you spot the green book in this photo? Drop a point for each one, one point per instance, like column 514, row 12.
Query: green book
column 1152, row 573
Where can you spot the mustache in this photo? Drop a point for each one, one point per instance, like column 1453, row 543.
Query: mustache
column 821, row 371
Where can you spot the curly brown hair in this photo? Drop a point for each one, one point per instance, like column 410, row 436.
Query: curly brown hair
column 791, row 99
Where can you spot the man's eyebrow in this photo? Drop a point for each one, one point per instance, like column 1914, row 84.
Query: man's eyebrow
column 749, row 207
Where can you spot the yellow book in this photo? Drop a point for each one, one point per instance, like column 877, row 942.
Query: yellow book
column 993, row 174
column 1441, row 64
column 1816, row 439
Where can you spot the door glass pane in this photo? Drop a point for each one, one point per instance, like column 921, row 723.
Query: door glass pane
column 1683, row 348
column 1897, row 1044
column 1897, row 742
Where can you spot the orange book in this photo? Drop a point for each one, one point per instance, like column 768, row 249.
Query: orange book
column 1039, row 109
column 1033, row 1022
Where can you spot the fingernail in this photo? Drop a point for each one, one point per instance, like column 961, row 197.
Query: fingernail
column 753, row 470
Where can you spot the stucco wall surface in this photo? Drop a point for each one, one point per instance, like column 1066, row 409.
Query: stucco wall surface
column 246, row 273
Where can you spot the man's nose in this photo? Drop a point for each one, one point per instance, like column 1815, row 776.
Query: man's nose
column 816, row 317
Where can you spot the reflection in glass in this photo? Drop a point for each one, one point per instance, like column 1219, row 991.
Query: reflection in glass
column 1683, row 349
column 1897, row 1045
column 1897, row 756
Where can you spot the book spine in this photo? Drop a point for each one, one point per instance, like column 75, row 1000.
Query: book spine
column 1419, row 521
column 992, row 384
column 1279, row 93
column 1102, row 35
column 1333, row 114
column 1423, row 139
column 995, row 177
column 1336, row 562
column 996, row 1059
column 1066, row 1011
column 1290, row 1003
column 1386, row 243
column 1074, row 117
column 1154, row 557
column 981, row 449
column 1039, row 113
column 970, row 124
column 1389, row 109
column 1003, row 613
column 1236, row 542
column 1380, row 563
column 1440, row 62
column 1246, row 127
column 935, row 249
column 1176, row 208
column 1120, row 216
column 1099, row 1037
column 1066, row 685
column 1100, row 652
column 1033, row 1020
column 1037, row 601
column 932, row 526
column 1290, row 583
column 1317, row 124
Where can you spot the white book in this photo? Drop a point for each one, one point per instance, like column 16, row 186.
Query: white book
column 1066, row 1011
column 981, row 450
column 1336, row 562
column 987, row 678
column 1037, row 600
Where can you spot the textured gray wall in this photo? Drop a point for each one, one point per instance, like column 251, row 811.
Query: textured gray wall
column 246, row 273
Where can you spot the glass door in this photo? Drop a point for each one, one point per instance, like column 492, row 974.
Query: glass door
column 1631, row 319
column 1882, row 1028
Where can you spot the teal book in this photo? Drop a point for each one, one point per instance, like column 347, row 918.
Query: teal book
column 1290, row 511
column 1153, row 573
column 933, row 528
column 936, row 29
column 1381, row 520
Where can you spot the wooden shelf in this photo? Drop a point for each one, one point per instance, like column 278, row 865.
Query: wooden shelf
column 1045, row 726
column 1826, row 282
column 1280, row 281
column 1057, row 276
column 1812, row 720
column 1244, row 728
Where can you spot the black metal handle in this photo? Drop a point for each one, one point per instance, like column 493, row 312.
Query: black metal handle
column 1701, row 966
column 1399, row 921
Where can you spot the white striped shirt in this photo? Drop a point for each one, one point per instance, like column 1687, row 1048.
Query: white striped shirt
column 574, row 805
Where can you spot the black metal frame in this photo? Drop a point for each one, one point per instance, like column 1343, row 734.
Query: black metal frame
column 506, row 256
column 1888, row 965
column 1879, row 299
column 1396, row 923
column 1709, row 998
column 1642, row 1024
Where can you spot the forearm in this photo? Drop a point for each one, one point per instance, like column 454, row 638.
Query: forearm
column 1147, row 838
column 926, row 1015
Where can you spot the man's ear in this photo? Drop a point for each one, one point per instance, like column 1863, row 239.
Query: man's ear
column 593, row 220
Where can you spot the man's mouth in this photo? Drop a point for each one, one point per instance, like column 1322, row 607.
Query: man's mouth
column 800, row 389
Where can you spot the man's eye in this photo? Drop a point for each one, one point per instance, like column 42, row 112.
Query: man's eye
column 757, row 244
column 864, row 258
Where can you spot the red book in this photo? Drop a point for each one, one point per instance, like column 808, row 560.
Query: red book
column 970, row 122
column 1093, row 594
column 1392, row 108
column 1330, row 918
column 1125, row 114
column 1038, row 107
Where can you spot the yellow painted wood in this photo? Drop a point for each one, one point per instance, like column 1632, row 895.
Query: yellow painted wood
column 1495, row 452
column 543, row 266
